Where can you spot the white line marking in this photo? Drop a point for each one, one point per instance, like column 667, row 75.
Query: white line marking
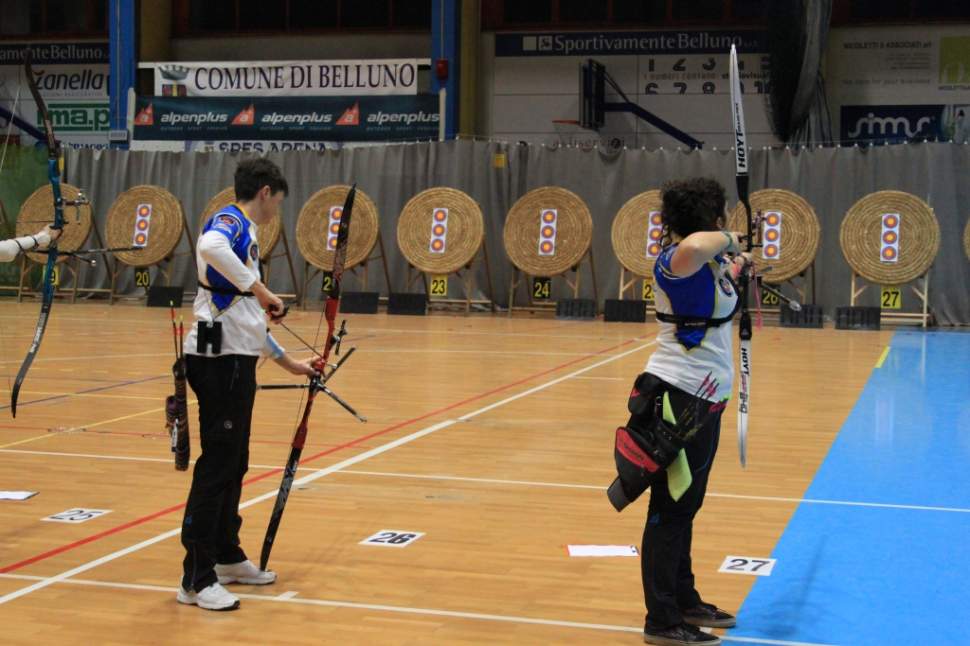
column 16, row 594
column 283, row 598
column 528, row 483
column 848, row 503
column 129, row 458
column 490, row 351
column 96, row 356
column 266, row 496
column 289, row 594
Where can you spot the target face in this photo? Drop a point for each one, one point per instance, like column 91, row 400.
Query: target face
column 439, row 230
column 654, row 233
column 771, row 235
column 333, row 226
column 548, row 219
column 889, row 241
column 143, row 215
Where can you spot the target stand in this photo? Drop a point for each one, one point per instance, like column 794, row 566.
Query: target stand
column 549, row 232
column 636, row 233
column 38, row 210
column 788, row 237
column 268, row 236
column 150, row 219
column 441, row 233
column 316, row 237
column 889, row 238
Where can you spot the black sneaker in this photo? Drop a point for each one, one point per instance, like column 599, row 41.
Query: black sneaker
column 679, row 635
column 709, row 616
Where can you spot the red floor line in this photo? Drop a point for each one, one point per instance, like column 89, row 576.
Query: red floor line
column 168, row 510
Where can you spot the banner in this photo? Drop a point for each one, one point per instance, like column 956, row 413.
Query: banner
column 905, row 123
column 627, row 43
column 895, row 65
column 82, row 53
column 75, row 88
column 287, row 78
column 287, row 119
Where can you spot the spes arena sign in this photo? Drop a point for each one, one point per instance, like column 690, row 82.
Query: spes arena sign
column 287, row 78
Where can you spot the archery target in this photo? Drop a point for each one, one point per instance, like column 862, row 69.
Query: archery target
column 890, row 237
column 149, row 219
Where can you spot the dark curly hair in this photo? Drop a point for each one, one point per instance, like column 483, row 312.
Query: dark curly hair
column 253, row 174
column 691, row 205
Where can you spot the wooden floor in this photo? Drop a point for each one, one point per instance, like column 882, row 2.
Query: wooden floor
column 493, row 436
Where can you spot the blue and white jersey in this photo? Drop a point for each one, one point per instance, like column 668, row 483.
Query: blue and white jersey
column 684, row 357
column 243, row 320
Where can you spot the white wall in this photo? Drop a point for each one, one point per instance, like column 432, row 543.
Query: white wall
column 524, row 95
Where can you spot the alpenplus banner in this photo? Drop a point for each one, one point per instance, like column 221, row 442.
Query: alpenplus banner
column 384, row 118
column 287, row 78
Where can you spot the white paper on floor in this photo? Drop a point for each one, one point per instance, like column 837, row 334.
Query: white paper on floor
column 16, row 495
column 603, row 550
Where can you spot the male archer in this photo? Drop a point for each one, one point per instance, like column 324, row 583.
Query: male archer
column 221, row 351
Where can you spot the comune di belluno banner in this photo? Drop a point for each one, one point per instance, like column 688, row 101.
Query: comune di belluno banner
column 287, row 78
column 372, row 118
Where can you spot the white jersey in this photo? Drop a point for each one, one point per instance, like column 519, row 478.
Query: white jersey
column 232, row 266
column 685, row 357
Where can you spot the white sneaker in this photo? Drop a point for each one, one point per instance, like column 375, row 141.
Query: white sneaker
column 215, row 597
column 244, row 572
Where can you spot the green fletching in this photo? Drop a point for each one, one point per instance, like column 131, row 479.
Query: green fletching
column 669, row 416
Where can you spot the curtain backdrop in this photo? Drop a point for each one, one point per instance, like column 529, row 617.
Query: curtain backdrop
column 496, row 174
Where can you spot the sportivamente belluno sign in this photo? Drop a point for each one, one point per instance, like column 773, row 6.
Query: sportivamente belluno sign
column 628, row 43
column 287, row 78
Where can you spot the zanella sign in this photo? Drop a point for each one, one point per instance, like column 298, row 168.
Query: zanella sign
column 287, row 78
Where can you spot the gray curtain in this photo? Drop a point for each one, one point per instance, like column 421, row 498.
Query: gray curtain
column 831, row 179
column 810, row 118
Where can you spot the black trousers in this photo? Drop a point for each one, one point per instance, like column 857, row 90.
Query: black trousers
column 665, row 566
column 226, row 388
